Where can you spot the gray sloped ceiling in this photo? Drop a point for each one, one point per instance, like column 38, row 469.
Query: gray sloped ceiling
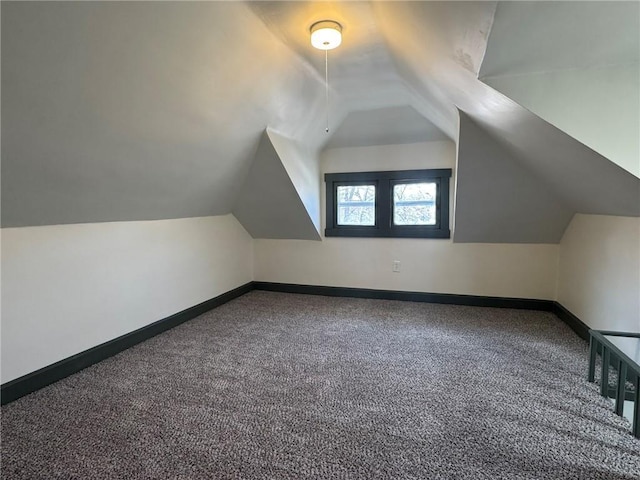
column 520, row 206
column 573, row 64
column 116, row 111
column 576, row 178
column 384, row 126
column 269, row 204
column 140, row 110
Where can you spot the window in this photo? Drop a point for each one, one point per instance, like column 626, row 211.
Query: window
column 409, row 203
column 356, row 204
column 414, row 203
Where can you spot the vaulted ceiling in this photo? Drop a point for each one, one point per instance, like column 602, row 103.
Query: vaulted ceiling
column 137, row 111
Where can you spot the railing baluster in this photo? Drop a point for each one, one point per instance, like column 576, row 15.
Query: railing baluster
column 636, row 409
column 593, row 350
column 622, row 381
column 604, row 373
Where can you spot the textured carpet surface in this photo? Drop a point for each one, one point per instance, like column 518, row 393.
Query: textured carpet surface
column 287, row 386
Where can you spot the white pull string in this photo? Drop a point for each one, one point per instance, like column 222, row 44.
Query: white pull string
column 326, row 84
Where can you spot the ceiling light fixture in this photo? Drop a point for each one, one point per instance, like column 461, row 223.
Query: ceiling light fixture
column 326, row 35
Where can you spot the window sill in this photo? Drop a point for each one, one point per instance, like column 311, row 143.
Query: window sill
column 377, row 233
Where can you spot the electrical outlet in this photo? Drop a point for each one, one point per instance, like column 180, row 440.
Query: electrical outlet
column 396, row 266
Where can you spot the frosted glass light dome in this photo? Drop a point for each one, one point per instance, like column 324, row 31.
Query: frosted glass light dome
column 326, row 35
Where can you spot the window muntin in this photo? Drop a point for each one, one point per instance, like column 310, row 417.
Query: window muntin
column 414, row 203
column 356, row 205
column 406, row 203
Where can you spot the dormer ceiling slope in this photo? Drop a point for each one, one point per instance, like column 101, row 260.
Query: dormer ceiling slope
column 137, row 111
column 119, row 111
column 578, row 178
column 279, row 195
column 384, row 126
column 573, row 64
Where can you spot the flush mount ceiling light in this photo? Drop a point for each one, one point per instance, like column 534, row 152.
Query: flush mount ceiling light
column 326, row 35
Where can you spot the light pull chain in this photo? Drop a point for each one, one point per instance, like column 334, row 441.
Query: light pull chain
column 326, row 35
column 326, row 84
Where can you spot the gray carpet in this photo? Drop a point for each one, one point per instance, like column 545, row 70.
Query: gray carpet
column 288, row 386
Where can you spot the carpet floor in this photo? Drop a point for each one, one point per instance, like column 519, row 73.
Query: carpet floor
column 283, row 386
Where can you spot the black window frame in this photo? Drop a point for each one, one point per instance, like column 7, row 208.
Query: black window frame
column 384, row 181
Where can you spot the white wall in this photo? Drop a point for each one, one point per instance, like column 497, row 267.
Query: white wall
column 67, row 288
column 436, row 266
column 437, row 154
column 427, row 265
column 599, row 272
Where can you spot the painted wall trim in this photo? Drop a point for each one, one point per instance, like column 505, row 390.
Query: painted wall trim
column 448, row 298
column 33, row 381
column 579, row 327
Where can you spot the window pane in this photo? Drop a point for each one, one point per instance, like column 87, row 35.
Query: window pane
column 357, row 205
column 414, row 204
